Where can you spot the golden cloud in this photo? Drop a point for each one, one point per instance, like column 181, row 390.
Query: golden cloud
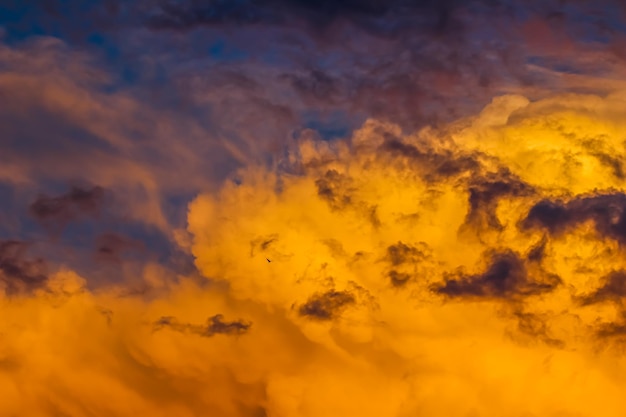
column 475, row 270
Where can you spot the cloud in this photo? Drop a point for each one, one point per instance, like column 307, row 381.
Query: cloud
column 536, row 327
column 188, row 15
column 114, row 139
column 458, row 241
column 215, row 325
column 605, row 210
column 344, row 317
column 518, row 206
column 506, row 277
column 56, row 212
column 401, row 253
column 127, row 170
column 18, row 274
column 326, row 306
column 434, row 165
column 613, row 289
column 414, row 63
column 485, row 192
column 404, row 261
column 111, row 246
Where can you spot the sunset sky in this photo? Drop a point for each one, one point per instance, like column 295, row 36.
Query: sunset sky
column 301, row 208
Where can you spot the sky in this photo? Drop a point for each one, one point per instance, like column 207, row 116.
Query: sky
column 300, row 208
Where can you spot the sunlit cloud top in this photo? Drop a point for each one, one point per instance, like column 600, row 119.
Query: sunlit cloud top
column 283, row 208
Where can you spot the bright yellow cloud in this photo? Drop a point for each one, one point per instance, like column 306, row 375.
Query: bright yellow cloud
column 468, row 271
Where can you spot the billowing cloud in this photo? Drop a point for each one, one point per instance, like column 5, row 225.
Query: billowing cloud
column 460, row 237
column 297, row 208
column 354, row 278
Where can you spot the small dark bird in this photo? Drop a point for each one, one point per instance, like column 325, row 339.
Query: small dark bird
column 267, row 260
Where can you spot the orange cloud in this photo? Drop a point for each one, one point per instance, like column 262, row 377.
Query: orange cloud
column 417, row 246
column 474, row 270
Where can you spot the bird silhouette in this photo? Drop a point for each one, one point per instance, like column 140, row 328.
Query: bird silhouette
column 267, row 260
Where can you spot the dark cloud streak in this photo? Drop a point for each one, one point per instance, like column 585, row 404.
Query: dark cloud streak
column 215, row 325
column 326, row 306
column 607, row 211
column 435, row 16
column 434, row 165
column 507, row 278
column 56, row 212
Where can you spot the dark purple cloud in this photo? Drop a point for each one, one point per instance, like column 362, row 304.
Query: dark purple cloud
column 19, row 273
column 399, row 256
column 486, row 190
column 111, row 247
column 607, row 211
column 327, row 305
column 56, row 212
column 215, row 325
column 507, row 277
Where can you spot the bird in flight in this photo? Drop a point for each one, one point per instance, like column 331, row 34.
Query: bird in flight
column 267, row 260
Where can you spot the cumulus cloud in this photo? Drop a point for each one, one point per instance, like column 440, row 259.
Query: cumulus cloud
column 384, row 294
column 427, row 265
column 416, row 264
